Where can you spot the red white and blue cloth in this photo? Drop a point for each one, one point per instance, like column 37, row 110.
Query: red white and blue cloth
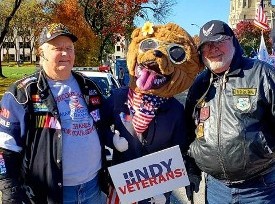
column 143, row 108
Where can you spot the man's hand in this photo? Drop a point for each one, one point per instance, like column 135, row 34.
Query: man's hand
column 194, row 186
column 158, row 199
column 120, row 143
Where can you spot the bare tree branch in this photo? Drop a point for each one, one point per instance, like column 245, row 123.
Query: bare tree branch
column 8, row 19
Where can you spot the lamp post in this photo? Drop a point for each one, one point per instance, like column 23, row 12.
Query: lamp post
column 193, row 24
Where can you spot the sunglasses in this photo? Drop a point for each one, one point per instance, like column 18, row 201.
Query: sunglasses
column 208, row 45
column 176, row 52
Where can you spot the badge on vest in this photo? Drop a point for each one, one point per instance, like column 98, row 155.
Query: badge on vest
column 204, row 113
column 244, row 92
column 243, row 104
column 200, row 130
column 95, row 115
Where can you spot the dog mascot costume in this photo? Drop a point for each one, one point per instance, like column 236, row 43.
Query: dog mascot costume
column 162, row 62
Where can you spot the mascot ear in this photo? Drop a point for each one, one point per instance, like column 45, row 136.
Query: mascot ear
column 135, row 33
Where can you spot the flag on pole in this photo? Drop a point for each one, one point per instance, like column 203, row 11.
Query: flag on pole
column 263, row 54
column 260, row 17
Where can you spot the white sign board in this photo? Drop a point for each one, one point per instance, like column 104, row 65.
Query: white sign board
column 149, row 175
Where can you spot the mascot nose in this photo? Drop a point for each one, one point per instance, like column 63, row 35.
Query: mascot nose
column 158, row 53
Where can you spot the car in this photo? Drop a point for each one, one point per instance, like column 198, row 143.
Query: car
column 105, row 81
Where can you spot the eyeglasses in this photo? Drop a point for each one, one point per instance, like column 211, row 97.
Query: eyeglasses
column 208, row 45
column 175, row 51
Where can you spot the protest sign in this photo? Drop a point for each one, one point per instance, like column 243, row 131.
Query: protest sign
column 149, row 175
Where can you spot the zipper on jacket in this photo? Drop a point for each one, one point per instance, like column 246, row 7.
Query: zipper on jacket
column 222, row 82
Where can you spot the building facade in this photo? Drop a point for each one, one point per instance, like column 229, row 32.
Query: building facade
column 120, row 51
column 245, row 10
column 14, row 49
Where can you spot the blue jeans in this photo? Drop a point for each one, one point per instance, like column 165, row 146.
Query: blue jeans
column 260, row 190
column 87, row 193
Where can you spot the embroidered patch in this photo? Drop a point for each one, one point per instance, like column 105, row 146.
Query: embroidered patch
column 25, row 81
column 40, row 107
column 208, row 31
column 3, row 168
column 47, row 121
column 95, row 100
column 204, row 113
column 244, row 92
column 200, row 130
column 95, row 114
column 92, row 92
column 5, row 123
column 36, row 98
column 5, row 113
column 243, row 104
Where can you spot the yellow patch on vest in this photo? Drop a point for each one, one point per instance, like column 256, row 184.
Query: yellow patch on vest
column 244, row 92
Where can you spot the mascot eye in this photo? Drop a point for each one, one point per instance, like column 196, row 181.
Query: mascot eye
column 177, row 54
column 148, row 44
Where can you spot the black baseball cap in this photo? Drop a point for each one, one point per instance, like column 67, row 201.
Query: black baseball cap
column 54, row 30
column 213, row 31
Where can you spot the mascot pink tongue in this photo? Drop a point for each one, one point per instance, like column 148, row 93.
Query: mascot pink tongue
column 145, row 80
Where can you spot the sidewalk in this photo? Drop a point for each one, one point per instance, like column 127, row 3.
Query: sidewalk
column 179, row 196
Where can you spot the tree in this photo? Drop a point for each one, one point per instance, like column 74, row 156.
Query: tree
column 71, row 14
column 109, row 17
column 249, row 37
column 6, row 16
column 28, row 23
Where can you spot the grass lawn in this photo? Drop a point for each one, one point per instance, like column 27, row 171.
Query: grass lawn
column 13, row 73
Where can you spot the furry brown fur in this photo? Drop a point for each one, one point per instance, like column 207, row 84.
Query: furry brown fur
column 173, row 78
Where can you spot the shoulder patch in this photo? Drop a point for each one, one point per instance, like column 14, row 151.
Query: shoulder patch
column 25, row 81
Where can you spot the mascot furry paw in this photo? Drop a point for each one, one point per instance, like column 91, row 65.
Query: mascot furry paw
column 162, row 62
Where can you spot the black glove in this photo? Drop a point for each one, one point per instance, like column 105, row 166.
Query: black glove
column 194, row 186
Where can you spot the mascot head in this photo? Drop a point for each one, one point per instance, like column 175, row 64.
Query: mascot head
column 162, row 60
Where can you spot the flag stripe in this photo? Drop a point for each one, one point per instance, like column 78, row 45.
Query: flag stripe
column 260, row 25
column 113, row 197
column 260, row 17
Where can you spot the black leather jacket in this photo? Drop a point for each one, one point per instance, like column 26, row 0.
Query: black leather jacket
column 231, row 120
column 37, row 135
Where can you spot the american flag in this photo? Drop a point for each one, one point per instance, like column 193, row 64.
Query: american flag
column 260, row 17
column 143, row 108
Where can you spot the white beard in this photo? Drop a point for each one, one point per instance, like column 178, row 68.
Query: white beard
column 220, row 66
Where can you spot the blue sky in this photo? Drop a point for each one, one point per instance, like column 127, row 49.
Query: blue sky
column 188, row 12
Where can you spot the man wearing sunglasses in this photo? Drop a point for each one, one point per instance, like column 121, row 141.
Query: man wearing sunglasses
column 231, row 116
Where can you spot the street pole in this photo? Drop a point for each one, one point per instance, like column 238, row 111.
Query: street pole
column 193, row 24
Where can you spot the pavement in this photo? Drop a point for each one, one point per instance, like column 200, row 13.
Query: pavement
column 179, row 196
